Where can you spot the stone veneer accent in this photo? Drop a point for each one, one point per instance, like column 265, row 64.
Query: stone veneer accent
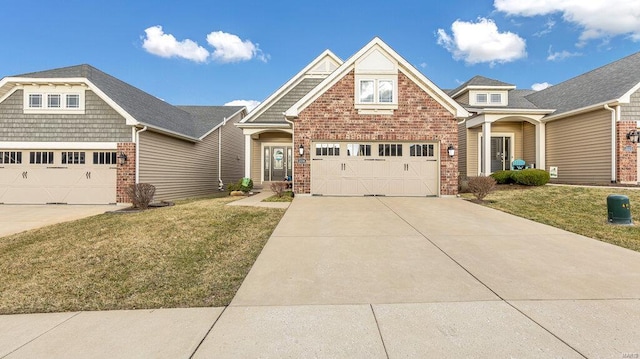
column 126, row 174
column 418, row 118
column 627, row 161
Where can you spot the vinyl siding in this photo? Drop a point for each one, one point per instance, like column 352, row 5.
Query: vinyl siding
column 99, row 123
column 232, row 160
column 463, row 99
column 179, row 169
column 528, row 143
column 580, row 146
column 462, row 149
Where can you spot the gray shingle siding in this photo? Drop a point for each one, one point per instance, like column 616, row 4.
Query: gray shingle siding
column 631, row 111
column 100, row 123
column 275, row 113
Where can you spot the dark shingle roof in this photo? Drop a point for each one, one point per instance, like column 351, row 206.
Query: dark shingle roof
column 603, row 84
column 145, row 108
column 479, row 81
column 274, row 114
column 208, row 117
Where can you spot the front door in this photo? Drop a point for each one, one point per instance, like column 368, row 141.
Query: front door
column 277, row 162
column 500, row 153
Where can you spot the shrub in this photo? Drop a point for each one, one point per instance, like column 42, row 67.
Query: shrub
column 141, row 194
column 279, row 188
column 481, row 186
column 239, row 187
column 503, row 177
column 531, row 177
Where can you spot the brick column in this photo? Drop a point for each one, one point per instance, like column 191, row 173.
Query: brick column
column 626, row 153
column 126, row 174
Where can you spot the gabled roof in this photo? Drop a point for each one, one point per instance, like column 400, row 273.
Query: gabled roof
column 614, row 82
column 409, row 70
column 480, row 82
column 271, row 109
column 137, row 106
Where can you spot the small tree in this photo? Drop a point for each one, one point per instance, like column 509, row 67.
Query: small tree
column 481, row 186
column 279, row 187
column 141, row 194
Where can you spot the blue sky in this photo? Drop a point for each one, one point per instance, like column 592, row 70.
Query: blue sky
column 214, row 52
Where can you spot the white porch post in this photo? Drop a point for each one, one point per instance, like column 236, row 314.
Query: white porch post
column 247, row 155
column 541, row 144
column 486, row 149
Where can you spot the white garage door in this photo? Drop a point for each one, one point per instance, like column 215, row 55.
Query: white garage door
column 374, row 168
column 72, row 177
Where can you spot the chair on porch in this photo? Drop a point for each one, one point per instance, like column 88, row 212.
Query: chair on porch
column 518, row 165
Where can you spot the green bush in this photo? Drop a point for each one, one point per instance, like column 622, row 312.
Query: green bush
column 531, row 177
column 503, row 177
column 239, row 187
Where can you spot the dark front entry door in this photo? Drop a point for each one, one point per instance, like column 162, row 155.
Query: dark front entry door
column 277, row 162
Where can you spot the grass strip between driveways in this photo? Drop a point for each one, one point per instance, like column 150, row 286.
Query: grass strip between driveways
column 196, row 253
column 581, row 210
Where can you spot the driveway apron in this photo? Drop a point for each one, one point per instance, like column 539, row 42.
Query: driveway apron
column 429, row 277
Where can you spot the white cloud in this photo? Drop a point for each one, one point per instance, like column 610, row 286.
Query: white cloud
column 250, row 104
column 165, row 45
column 561, row 55
column 597, row 18
column 548, row 28
column 230, row 48
column 540, row 86
column 482, row 42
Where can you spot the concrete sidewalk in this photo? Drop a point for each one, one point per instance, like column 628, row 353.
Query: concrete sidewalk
column 383, row 278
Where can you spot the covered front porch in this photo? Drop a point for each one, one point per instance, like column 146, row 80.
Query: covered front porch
column 495, row 140
column 269, row 155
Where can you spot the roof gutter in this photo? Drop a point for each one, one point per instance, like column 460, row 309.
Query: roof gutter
column 614, row 119
column 138, row 153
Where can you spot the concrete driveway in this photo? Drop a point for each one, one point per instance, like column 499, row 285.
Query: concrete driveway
column 416, row 277
column 383, row 278
column 19, row 218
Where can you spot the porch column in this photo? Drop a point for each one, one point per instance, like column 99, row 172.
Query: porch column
column 485, row 169
column 247, row 155
column 541, row 144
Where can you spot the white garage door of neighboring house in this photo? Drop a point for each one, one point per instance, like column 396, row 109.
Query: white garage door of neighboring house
column 72, row 177
column 374, row 168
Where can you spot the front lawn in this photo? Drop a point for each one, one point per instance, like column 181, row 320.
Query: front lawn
column 576, row 209
column 195, row 253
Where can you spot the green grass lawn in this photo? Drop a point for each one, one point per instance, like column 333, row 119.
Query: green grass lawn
column 576, row 209
column 195, row 253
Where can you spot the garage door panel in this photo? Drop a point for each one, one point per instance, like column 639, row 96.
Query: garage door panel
column 399, row 173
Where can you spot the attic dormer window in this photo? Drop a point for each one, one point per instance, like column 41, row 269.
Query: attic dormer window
column 481, row 98
column 54, row 99
column 496, row 98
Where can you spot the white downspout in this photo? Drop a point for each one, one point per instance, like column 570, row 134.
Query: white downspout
column 613, row 142
column 220, row 184
column 138, row 153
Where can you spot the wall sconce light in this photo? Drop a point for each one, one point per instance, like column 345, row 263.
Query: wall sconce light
column 451, row 151
column 633, row 136
column 301, row 150
column 122, row 158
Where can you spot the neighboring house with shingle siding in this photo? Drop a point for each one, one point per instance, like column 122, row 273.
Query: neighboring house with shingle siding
column 79, row 135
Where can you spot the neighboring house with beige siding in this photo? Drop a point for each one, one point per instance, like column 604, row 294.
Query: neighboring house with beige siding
column 581, row 130
column 78, row 135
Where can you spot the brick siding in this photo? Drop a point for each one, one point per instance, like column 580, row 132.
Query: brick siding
column 126, row 174
column 418, row 118
column 627, row 153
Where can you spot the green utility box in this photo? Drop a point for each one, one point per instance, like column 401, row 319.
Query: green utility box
column 246, row 181
column 619, row 209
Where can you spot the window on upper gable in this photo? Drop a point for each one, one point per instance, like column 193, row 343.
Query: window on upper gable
column 376, row 91
column 53, row 101
column 73, row 101
column 496, row 98
column 367, row 89
column 63, row 100
column 35, row 100
column 481, row 98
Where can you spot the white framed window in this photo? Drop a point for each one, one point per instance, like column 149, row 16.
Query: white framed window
column 53, row 100
column 390, row 150
column 367, row 90
column 422, row 150
column 73, row 100
column 41, row 157
column 481, row 98
column 496, row 98
column 385, row 91
column 35, row 100
column 105, row 158
column 73, row 158
column 355, row 149
column 376, row 91
column 10, row 157
column 327, row 149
